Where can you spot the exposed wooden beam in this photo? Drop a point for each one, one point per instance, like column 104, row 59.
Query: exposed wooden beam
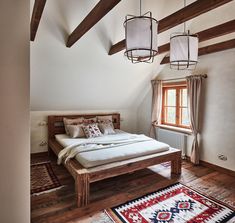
column 117, row 47
column 189, row 12
column 216, row 31
column 229, row 44
column 36, row 17
column 97, row 13
column 226, row 45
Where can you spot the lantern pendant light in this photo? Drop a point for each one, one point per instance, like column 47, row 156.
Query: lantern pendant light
column 183, row 50
column 141, row 37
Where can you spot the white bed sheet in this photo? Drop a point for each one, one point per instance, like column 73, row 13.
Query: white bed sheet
column 103, row 156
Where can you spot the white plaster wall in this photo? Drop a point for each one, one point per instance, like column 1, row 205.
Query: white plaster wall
column 217, row 107
column 39, row 133
column 84, row 77
column 14, row 112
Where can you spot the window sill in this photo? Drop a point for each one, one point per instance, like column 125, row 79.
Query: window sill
column 176, row 129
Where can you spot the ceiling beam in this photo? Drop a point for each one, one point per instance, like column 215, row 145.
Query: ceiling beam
column 216, row 31
column 229, row 44
column 97, row 13
column 36, row 17
column 207, row 34
column 189, row 12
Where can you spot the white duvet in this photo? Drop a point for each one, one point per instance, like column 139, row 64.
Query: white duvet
column 109, row 148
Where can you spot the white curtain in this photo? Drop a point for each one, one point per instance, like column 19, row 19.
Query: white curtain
column 194, row 84
column 156, row 106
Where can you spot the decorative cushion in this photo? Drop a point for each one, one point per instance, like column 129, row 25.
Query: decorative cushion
column 105, row 118
column 107, row 128
column 76, row 131
column 75, row 121
column 89, row 120
column 92, row 130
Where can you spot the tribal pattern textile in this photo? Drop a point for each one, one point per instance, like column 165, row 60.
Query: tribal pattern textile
column 174, row 204
column 43, row 178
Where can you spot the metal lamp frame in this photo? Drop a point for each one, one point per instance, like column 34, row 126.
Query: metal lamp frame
column 188, row 64
column 153, row 52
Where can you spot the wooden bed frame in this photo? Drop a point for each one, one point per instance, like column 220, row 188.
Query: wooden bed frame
column 84, row 176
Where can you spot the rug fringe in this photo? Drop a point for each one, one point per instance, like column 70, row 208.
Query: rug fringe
column 47, row 191
column 113, row 218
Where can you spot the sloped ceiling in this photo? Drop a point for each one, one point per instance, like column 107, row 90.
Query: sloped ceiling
column 85, row 77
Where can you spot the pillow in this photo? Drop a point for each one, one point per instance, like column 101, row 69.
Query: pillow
column 107, row 128
column 75, row 121
column 75, row 131
column 89, row 120
column 92, row 130
column 105, row 118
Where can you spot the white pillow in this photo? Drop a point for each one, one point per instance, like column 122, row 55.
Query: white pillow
column 75, row 121
column 76, row 131
column 107, row 128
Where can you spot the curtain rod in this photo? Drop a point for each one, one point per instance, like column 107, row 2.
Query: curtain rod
column 183, row 78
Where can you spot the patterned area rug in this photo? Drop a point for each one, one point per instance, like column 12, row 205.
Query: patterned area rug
column 43, row 179
column 166, row 164
column 211, row 192
column 176, row 203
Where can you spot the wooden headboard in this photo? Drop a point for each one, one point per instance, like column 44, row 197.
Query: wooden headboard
column 56, row 124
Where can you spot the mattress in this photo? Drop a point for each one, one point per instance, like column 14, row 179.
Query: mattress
column 114, row 154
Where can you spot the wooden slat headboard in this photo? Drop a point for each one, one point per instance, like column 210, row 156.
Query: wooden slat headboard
column 56, row 124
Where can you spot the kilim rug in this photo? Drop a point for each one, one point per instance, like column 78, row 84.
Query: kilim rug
column 174, row 204
column 43, row 179
column 166, row 164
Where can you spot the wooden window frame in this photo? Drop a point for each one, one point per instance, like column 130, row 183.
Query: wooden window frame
column 178, row 86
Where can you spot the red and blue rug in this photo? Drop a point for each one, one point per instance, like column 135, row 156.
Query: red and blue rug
column 174, row 204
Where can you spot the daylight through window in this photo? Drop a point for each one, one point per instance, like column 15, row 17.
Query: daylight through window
column 174, row 105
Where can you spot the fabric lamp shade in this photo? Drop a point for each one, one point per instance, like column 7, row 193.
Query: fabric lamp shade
column 183, row 51
column 141, row 38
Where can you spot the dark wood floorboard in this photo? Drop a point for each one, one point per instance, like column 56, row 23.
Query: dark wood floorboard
column 60, row 205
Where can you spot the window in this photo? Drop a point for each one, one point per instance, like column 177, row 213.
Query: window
column 174, row 105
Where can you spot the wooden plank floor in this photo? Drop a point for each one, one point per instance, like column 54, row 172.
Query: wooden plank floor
column 60, row 206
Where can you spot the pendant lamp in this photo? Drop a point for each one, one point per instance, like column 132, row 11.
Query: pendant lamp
column 183, row 50
column 141, row 37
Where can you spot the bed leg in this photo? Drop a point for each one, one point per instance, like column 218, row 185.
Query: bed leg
column 82, row 186
column 176, row 165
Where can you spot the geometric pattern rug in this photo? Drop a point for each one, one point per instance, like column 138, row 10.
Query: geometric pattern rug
column 174, row 204
column 43, row 178
column 216, row 194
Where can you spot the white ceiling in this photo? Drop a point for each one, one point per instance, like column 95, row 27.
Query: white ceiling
column 84, row 76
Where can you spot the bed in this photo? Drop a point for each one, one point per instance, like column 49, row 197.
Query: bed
column 83, row 176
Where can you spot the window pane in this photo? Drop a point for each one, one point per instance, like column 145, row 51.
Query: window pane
column 171, row 97
column 184, row 98
column 170, row 115
column 184, row 117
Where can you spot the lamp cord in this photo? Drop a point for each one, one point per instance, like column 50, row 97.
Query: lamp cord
column 184, row 22
column 140, row 7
